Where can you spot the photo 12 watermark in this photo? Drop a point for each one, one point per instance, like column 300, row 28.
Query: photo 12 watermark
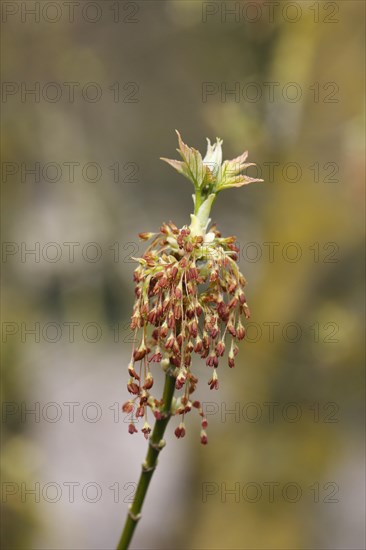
column 69, row 171
column 69, row 92
column 327, row 92
column 268, row 11
column 70, row 12
column 71, row 492
column 270, row 492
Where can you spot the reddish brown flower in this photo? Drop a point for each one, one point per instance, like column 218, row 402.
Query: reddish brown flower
column 180, row 431
column 204, row 439
column 213, row 382
column 132, row 387
column 127, row 407
column 132, row 429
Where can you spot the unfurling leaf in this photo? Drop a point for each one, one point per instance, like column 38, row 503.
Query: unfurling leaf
column 192, row 165
column 211, row 175
column 231, row 173
column 213, row 158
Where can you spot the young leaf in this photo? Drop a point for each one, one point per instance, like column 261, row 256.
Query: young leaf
column 231, row 173
column 192, row 166
column 213, row 158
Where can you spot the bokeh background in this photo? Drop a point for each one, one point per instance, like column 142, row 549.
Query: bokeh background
column 157, row 66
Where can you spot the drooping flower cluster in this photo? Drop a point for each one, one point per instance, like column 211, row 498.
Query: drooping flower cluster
column 190, row 296
column 189, row 300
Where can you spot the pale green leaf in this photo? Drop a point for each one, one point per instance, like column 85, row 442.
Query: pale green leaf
column 192, row 166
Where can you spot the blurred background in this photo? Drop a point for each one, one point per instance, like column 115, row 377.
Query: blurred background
column 91, row 95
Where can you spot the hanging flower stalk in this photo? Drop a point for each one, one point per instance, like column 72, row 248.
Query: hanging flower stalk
column 190, row 300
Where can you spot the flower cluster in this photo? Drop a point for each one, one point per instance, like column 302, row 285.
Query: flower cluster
column 189, row 300
column 189, row 294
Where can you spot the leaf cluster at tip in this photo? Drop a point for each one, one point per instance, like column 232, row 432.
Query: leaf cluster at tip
column 210, row 174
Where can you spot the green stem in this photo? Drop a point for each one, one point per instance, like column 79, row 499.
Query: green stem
column 198, row 201
column 156, row 443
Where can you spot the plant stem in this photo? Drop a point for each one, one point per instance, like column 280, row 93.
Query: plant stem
column 198, row 200
column 156, row 444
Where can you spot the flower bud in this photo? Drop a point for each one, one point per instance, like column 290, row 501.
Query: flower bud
column 213, row 382
column 206, row 340
column 198, row 345
column 127, row 407
column 181, row 379
column 231, row 329
column 246, row 311
column 132, row 429
column 140, row 352
column 204, row 439
column 240, row 331
column 132, row 372
column 193, row 328
column 173, row 273
column 132, row 387
column 146, row 236
column 241, row 297
column 170, row 341
column 231, row 362
column 149, row 382
column 220, row 348
column 180, row 431
column 146, row 429
column 212, row 360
